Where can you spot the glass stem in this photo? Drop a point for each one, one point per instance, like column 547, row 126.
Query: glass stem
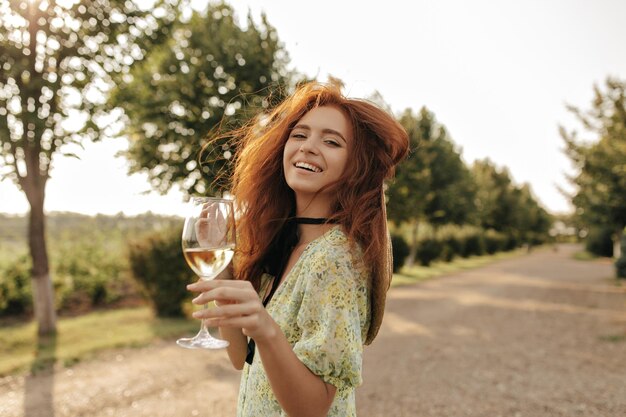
column 203, row 326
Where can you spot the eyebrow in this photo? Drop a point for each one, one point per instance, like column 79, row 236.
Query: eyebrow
column 331, row 131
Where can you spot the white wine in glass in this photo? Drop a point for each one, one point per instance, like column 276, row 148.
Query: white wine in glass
column 208, row 245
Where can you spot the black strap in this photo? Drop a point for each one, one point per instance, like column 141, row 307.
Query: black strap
column 313, row 220
column 286, row 241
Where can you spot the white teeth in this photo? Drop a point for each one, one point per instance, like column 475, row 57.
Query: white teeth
column 308, row 166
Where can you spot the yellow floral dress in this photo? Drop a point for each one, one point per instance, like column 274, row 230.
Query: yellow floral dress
column 322, row 307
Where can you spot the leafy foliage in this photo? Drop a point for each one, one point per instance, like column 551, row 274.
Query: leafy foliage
column 598, row 241
column 433, row 184
column 474, row 245
column 15, row 289
column 400, row 251
column 212, row 75
column 58, row 61
column 157, row 263
column 600, row 196
column 89, row 272
column 89, row 261
column 506, row 208
column 428, row 250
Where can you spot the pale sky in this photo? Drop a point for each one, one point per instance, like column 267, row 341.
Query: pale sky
column 497, row 74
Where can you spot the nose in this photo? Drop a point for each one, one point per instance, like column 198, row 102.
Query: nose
column 308, row 146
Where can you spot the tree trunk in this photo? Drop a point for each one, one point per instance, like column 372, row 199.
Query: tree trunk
column 43, row 295
column 617, row 242
column 410, row 261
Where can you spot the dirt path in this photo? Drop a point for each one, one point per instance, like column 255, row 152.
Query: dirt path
column 541, row 335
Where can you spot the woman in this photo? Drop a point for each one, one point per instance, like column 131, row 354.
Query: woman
column 313, row 247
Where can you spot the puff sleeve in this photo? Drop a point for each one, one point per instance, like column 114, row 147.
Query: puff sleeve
column 333, row 319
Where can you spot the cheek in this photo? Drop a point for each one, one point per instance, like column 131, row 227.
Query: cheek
column 341, row 162
column 287, row 155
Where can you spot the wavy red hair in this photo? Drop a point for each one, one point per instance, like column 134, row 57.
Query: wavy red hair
column 266, row 201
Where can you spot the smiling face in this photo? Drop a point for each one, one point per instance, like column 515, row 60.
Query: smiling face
column 316, row 153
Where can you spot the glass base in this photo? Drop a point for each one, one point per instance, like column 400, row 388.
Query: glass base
column 203, row 340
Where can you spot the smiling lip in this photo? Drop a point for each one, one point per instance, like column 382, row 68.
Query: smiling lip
column 308, row 167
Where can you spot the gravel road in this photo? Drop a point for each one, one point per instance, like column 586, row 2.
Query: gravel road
column 539, row 335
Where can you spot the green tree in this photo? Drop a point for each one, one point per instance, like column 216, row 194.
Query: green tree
column 600, row 196
column 211, row 72
column 532, row 222
column 58, row 60
column 495, row 203
column 433, row 184
column 451, row 200
column 506, row 208
column 411, row 186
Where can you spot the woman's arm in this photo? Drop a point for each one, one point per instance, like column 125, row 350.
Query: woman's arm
column 238, row 343
column 238, row 346
column 298, row 390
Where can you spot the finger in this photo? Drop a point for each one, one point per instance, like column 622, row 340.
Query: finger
column 236, row 322
column 230, row 310
column 226, row 296
column 226, row 293
column 203, row 286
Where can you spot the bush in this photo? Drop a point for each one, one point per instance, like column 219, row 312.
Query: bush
column 157, row 263
column 87, row 273
column 428, row 250
column 400, row 250
column 620, row 264
column 453, row 246
column 599, row 241
column 494, row 242
column 15, row 288
column 511, row 242
column 474, row 245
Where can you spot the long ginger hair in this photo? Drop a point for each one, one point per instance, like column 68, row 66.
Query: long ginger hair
column 266, row 202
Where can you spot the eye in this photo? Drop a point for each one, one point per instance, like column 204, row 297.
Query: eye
column 297, row 135
column 332, row 142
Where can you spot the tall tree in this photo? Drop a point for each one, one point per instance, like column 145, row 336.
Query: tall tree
column 213, row 74
column 410, row 189
column 532, row 221
column 600, row 196
column 58, row 59
column 495, row 202
column 433, row 184
column 453, row 189
column 507, row 208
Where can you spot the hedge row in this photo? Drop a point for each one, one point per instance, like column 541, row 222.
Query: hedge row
column 89, row 273
column 86, row 273
column 92, row 272
column 449, row 246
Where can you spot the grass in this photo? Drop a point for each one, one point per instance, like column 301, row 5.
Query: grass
column 614, row 338
column 81, row 337
column 585, row 256
column 411, row 275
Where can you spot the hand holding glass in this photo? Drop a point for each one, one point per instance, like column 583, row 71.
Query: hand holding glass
column 208, row 246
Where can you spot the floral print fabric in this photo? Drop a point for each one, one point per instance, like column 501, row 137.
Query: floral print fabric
column 322, row 307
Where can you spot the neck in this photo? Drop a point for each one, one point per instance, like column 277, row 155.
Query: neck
column 310, row 232
column 314, row 207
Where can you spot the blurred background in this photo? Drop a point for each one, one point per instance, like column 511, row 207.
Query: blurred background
column 515, row 110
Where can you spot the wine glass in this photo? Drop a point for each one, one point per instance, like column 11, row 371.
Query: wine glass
column 208, row 245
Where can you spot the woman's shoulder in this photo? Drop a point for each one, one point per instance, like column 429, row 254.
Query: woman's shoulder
column 334, row 248
column 334, row 243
